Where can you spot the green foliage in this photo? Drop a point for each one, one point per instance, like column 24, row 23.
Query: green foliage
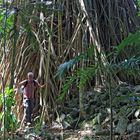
column 6, row 21
column 81, row 75
column 66, row 66
column 133, row 40
column 137, row 2
column 69, row 64
column 128, row 66
column 10, row 119
column 79, row 78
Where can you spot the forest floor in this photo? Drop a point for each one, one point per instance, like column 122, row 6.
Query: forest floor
column 29, row 133
column 95, row 125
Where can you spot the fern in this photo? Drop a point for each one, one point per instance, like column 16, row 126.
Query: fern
column 65, row 66
column 68, row 82
column 69, row 64
column 80, row 77
column 133, row 40
column 129, row 66
column 86, row 74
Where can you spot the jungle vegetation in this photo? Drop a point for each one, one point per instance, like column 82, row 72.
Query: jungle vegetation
column 88, row 53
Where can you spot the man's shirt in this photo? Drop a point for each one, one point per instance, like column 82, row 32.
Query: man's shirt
column 29, row 88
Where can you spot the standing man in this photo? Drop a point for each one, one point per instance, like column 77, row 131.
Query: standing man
column 30, row 85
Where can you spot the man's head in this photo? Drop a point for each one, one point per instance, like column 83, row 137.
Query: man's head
column 30, row 76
